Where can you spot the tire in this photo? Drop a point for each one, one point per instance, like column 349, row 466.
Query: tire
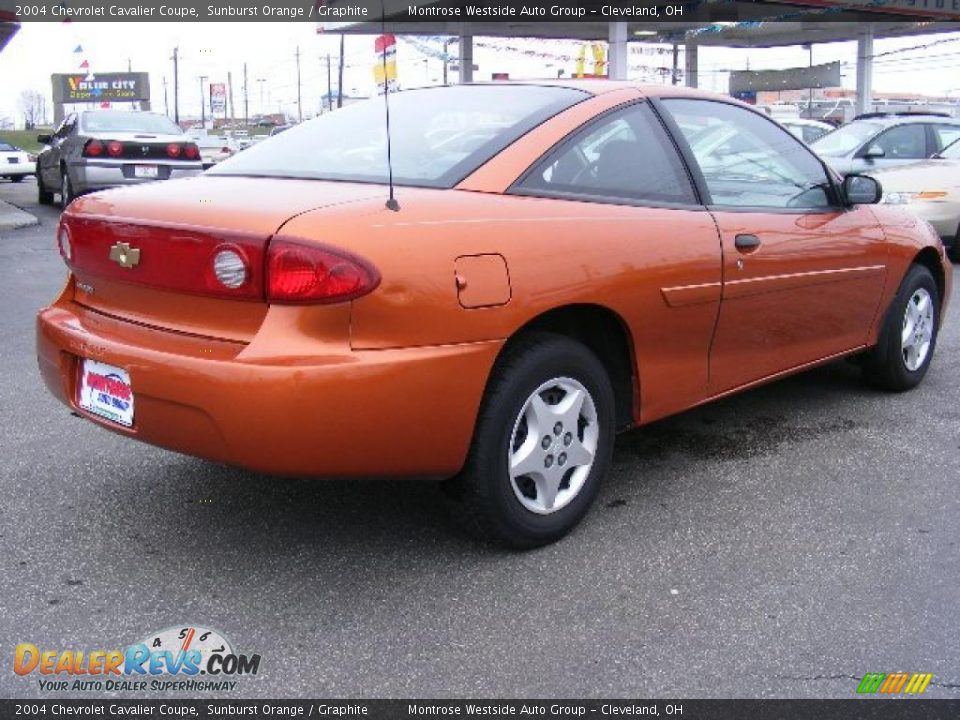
column 521, row 511
column 44, row 196
column 16, row 178
column 953, row 252
column 66, row 189
column 901, row 358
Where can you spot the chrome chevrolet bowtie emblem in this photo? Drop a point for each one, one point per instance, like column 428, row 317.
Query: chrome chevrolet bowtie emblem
column 124, row 255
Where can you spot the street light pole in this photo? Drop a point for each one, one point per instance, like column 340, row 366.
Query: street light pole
column 203, row 116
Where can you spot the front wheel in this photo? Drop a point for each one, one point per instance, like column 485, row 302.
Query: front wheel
column 909, row 334
column 16, row 178
column 543, row 442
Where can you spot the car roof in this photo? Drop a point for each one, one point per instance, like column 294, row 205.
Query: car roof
column 891, row 120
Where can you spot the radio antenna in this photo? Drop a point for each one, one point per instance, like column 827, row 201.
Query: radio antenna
column 392, row 203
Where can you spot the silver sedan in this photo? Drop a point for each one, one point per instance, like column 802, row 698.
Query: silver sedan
column 97, row 149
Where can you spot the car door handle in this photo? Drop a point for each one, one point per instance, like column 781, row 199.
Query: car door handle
column 746, row 242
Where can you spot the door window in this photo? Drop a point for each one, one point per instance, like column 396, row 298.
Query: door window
column 626, row 154
column 903, row 142
column 747, row 160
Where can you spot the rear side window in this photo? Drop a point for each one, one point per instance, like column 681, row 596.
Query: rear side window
column 625, row 155
column 946, row 135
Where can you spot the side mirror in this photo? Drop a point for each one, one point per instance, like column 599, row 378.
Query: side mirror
column 44, row 139
column 874, row 151
column 862, row 190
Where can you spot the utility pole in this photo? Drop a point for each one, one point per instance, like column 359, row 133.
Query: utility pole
column 203, row 105
column 261, row 81
column 176, row 86
column 166, row 106
column 340, row 74
column 246, row 99
column 230, row 90
column 299, row 99
column 329, row 85
column 446, row 57
column 676, row 65
column 129, row 65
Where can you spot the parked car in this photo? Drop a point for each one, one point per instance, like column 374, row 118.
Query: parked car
column 214, row 149
column 931, row 190
column 15, row 163
column 279, row 129
column 878, row 140
column 807, row 130
column 97, row 149
column 497, row 313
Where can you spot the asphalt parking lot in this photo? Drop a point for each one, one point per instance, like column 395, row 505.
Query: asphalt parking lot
column 781, row 543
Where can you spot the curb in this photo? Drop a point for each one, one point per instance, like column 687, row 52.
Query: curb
column 12, row 217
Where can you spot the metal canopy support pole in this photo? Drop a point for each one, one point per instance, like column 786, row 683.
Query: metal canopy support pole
column 865, row 69
column 617, row 68
column 690, row 63
column 466, row 55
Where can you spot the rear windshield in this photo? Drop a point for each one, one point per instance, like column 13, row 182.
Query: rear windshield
column 438, row 136
column 6, row 147
column 119, row 121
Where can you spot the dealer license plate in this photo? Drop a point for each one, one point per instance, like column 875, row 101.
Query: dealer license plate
column 105, row 391
column 145, row 171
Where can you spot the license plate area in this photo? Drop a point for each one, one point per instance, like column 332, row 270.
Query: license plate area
column 146, row 171
column 105, row 391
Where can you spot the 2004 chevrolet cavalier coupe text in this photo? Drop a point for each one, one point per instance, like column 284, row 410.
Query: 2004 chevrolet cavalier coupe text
column 567, row 260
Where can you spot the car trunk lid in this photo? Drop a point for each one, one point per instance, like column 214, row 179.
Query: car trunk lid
column 146, row 254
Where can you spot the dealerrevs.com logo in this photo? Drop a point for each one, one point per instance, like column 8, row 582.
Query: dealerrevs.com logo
column 189, row 658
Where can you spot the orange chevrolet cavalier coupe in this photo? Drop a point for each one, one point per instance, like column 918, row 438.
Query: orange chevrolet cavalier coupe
column 564, row 261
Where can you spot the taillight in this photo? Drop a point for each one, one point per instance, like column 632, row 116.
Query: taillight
column 191, row 151
column 304, row 272
column 114, row 148
column 226, row 151
column 173, row 150
column 93, row 148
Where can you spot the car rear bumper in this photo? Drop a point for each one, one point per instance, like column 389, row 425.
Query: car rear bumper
column 89, row 175
column 404, row 412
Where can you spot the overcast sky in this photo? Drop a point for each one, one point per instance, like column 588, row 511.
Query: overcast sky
column 214, row 49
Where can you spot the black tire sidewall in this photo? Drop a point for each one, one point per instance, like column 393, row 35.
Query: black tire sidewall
column 552, row 359
column 903, row 378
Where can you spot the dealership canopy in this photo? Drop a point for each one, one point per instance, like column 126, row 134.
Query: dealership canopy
column 731, row 23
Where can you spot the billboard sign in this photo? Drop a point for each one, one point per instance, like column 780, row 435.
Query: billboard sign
column 218, row 98
column 800, row 78
column 102, row 87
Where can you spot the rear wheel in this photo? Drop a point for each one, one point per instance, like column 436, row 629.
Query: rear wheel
column 909, row 334
column 66, row 189
column 44, row 196
column 16, row 178
column 542, row 445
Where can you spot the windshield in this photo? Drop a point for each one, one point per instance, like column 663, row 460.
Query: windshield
column 845, row 140
column 951, row 151
column 7, row 147
column 119, row 121
column 438, row 136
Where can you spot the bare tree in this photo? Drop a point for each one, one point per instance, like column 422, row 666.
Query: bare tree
column 33, row 104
